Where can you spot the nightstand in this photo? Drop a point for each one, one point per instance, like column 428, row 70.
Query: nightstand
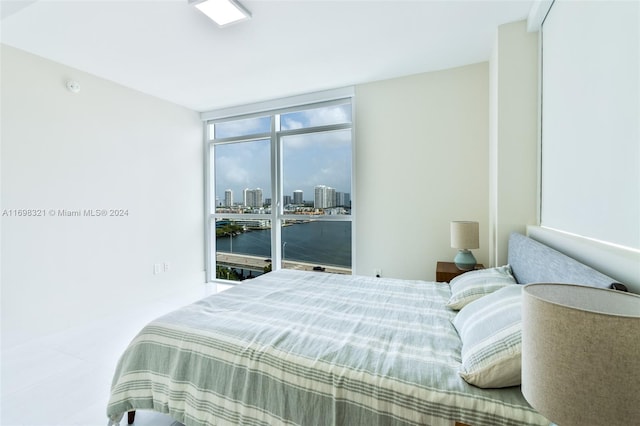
column 446, row 271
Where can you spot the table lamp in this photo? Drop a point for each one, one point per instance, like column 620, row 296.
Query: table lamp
column 465, row 236
column 581, row 354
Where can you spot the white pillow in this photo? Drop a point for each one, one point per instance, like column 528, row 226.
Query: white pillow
column 472, row 285
column 491, row 332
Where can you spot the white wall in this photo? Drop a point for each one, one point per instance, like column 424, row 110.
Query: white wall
column 422, row 161
column 514, row 136
column 106, row 147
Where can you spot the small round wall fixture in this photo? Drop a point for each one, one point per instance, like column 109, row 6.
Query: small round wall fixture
column 73, row 86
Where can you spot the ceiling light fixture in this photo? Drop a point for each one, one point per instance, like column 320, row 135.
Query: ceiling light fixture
column 222, row 12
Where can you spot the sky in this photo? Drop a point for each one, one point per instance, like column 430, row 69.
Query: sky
column 308, row 160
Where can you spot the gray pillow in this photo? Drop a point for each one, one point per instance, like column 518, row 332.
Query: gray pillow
column 491, row 332
column 472, row 285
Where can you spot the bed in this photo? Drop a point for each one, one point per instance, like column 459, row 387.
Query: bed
column 309, row 348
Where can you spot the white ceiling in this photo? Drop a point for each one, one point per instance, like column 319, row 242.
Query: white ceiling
column 170, row 50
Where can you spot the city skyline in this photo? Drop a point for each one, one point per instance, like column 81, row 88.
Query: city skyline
column 296, row 197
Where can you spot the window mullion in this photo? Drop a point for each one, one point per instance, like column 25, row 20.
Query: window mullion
column 316, row 129
column 244, row 138
column 276, row 194
column 210, row 262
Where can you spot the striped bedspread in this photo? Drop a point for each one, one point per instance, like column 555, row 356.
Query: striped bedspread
column 307, row 348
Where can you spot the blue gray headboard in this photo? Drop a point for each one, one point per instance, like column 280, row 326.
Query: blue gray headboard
column 534, row 262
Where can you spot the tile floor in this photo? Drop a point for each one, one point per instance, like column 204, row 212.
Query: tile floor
column 63, row 379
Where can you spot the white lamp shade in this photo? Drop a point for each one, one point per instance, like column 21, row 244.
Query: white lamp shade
column 465, row 235
column 581, row 354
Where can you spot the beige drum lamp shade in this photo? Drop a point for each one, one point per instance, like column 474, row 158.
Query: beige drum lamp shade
column 581, row 354
column 465, row 235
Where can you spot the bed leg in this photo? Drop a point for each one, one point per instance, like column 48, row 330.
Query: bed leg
column 131, row 417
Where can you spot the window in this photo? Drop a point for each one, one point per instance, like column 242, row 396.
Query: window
column 279, row 188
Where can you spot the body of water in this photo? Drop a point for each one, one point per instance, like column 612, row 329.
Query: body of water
column 324, row 243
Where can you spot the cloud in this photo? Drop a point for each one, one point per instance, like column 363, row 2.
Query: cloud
column 242, row 165
column 247, row 126
column 321, row 162
column 289, row 123
column 329, row 115
column 231, row 171
column 336, row 114
column 336, row 138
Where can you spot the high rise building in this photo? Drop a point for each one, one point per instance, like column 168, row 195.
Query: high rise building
column 228, row 198
column 343, row 199
column 325, row 197
column 331, row 197
column 298, row 197
column 252, row 197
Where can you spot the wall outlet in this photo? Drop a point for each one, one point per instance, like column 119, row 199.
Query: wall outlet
column 157, row 268
column 165, row 267
column 377, row 273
